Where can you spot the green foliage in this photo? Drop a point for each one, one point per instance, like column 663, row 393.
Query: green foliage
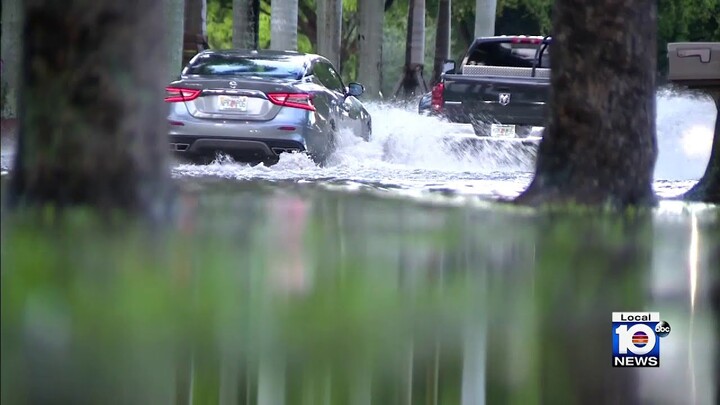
column 686, row 20
column 538, row 10
column 219, row 25
column 679, row 20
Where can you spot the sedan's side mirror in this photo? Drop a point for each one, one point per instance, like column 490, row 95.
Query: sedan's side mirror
column 448, row 66
column 355, row 89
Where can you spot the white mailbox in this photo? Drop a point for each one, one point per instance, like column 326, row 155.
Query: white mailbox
column 694, row 63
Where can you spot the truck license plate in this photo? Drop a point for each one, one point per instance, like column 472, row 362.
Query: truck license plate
column 502, row 131
column 233, row 103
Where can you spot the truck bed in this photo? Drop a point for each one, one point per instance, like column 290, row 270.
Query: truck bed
column 501, row 80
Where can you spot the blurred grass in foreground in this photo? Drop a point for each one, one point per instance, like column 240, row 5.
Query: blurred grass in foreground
column 301, row 296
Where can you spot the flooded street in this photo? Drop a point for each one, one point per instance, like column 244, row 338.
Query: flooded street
column 415, row 155
column 390, row 276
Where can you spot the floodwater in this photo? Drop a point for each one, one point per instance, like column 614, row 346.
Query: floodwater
column 390, row 276
column 417, row 156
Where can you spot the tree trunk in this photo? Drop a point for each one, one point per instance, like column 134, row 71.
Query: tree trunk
column 175, row 19
column 442, row 39
column 370, row 41
column 92, row 117
column 599, row 145
column 605, row 265
column 412, row 79
column 485, row 14
column 196, row 17
column 11, row 48
column 195, row 38
column 708, row 188
column 283, row 25
column 243, row 36
column 329, row 30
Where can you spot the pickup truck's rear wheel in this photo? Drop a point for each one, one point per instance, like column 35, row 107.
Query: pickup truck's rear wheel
column 481, row 128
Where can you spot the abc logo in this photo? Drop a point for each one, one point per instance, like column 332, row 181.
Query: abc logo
column 638, row 339
column 662, row 329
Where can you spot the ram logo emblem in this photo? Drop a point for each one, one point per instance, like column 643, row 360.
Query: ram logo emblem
column 504, row 98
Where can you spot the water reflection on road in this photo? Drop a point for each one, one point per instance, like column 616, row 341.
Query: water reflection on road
column 274, row 294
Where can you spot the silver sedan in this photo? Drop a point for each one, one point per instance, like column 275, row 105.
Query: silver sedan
column 255, row 105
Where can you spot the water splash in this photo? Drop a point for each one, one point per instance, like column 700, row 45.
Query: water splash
column 685, row 125
column 412, row 153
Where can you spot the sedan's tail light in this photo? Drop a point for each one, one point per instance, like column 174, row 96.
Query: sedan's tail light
column 295, row 100
column 437, row 97
column 176, row 94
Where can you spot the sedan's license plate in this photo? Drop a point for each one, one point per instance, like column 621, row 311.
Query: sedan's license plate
column 502, row 131
column 233, row 103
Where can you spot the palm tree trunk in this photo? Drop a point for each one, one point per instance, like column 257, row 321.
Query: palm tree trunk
column 599, row 146
column 329, row 30
column 283, row 25
column 243, row 36
column 195, row 38
column 11, row 48
column 196, row 17
column 175, row 20
column 88, row 136
column 442, row 39
column 485, row 14
column 370, row 41
column 412, row 79
column 417, row 36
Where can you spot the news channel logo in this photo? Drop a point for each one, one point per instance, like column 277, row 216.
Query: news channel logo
column 636, row 338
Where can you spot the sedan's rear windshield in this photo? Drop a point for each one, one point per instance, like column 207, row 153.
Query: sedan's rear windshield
column 281, row 67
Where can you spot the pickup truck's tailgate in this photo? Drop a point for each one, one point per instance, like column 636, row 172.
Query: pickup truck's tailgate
column 508, row 100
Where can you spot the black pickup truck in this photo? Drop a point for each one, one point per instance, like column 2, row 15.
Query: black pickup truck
column 500, row 87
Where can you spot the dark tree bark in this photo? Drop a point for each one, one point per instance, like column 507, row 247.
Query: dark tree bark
column 412, row 77
column 442, row 39
column 307, row 22
column 195, row 38
column 708, row 188
column 599, row 146
column 92, row 124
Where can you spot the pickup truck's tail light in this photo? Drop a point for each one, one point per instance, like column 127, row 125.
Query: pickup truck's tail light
column 177, row 94
column 437, row 100
column 294, row 100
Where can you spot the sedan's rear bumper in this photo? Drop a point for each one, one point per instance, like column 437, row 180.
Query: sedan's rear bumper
column 291, row 130
column 240, row 149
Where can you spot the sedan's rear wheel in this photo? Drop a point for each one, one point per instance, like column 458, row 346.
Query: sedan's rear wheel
column 320, row 157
